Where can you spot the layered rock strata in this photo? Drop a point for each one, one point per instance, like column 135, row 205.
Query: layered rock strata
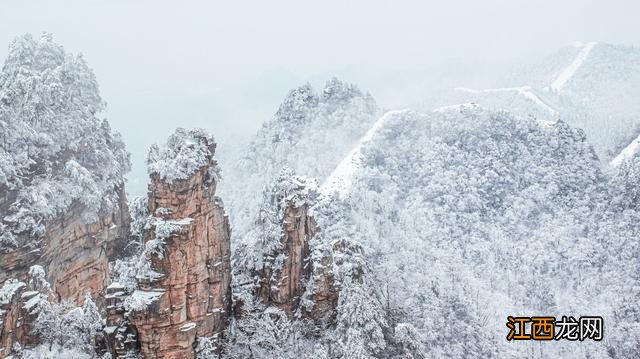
column 184, row 276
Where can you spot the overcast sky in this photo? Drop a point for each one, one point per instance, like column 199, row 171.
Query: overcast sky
column 225, row 66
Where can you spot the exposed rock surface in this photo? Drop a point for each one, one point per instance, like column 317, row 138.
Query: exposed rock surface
column 184, row 293
column 75, row 253
column 284, row 285
column 75, row 256
column 295, row 274
column 10, row 315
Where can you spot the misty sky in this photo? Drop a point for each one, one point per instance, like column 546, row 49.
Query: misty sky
column 226, row 66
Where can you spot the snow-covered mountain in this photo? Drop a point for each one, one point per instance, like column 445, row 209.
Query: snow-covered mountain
column 591, row 85
column 465, row 216
column 310, row 133
column 352, row 232
column 468, row 215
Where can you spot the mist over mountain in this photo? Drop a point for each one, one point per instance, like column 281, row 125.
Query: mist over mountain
column 588, row 85
column 338, row 229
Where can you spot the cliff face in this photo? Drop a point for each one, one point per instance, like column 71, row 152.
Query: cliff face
column 75, row 256
column 284, row 285
column 184, row 294
column 295, row 274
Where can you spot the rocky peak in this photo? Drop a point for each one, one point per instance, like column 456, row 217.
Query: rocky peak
column 277, row 257
column 186, row 152
column 285, row 241
column 183, row 293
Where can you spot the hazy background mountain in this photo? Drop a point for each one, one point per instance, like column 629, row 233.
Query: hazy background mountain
column 226, row 67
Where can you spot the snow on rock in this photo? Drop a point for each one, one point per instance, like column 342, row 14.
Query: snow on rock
column 33, row 303
column 559, row 83
column 163, row 228
column 339, row 182
column 115, row 286
column 187, row 327
column 141, row 299
column 626, row 153
column 8, row 290
column 186, row 151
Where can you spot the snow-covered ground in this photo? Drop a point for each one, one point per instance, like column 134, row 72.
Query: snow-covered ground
column 627, row 153
column 559, row 83
column 525, row 91
column 339, row 181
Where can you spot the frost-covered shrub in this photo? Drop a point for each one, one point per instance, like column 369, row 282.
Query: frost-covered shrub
column 360, row 322
column 186, row 151
column 124, row 271
column 138, row 209
column 65, row 327
column 38, row 280
column 206, row 348
column 262, row 332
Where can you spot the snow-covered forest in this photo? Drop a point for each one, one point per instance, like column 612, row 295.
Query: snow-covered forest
column 341, row 228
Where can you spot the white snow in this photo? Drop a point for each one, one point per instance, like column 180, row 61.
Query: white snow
column 9, row 289
column 33, row 302
column 140, row 299
column 29, row 294
column 457, row 107
column 186, row 151
column 501, row 89
column 187, row 327
column 339, row 181
column 525, row 91
column 115, row 285
column 627, row 153
column 559, row 83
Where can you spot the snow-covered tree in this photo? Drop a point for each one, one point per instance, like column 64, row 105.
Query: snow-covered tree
column 54, row 149
column 206, row 348
column 65, row 326
column 360, row 323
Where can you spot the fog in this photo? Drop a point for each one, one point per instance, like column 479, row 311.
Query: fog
column 226, row 66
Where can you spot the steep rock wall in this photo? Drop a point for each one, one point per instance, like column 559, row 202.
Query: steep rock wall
column 74, row 254
column 184, row 284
